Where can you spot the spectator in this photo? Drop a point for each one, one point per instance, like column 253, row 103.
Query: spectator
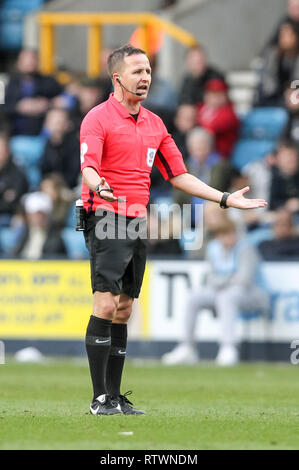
column 62, row 151
column 213, row 214
column 28, row 95
column 230, row 288
column 217, row 115
column 292, row 17
column 204, row 163
column 54, row 186
column 291, row 102
column 258, row 174
column 38, row 239
column 199, row 72
column 258, row 178
column 284, row 186
column 13, row 183
column 281, row 67
column 69, row 98
column 285, row 244
column 215, row 217
column 184, row 121
column 91, row 92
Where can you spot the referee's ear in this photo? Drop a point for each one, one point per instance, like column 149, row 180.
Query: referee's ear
column 115, row 79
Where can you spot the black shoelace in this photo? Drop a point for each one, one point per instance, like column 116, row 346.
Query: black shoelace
column 125, row 399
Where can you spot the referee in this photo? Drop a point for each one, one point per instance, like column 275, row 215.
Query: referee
column 120, row 142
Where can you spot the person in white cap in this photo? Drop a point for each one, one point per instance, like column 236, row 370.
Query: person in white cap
column 38, row 239
column 231, row 287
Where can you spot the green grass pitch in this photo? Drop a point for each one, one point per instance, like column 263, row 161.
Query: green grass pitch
column 251, row 406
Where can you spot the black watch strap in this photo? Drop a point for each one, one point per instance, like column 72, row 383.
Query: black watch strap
column 223, row 204
column 98, row 190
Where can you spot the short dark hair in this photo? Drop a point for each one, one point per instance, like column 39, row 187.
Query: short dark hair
column 118, row 56
column 287, row 143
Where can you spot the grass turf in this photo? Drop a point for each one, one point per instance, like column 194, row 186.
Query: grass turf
column 251, row 406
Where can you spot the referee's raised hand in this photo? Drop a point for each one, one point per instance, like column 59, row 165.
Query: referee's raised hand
column 107, row 195
column 237, row 200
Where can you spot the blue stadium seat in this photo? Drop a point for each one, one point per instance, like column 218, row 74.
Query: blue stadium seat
column 251, row 150
column 8, row 236
column 27, row 150
column 264, row 123
column 12, row 13
column 8, row 15
column 11, row 34
column 33, row 175
column 74, row 243
column 23, row 6
column 71, row 217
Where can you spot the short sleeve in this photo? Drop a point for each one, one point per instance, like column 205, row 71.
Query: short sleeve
column 169, row 160
column 92, row 136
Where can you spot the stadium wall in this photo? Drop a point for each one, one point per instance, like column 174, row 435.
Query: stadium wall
column 71, row 44
column 231, row 44
column 47, row 304
column 233, row 31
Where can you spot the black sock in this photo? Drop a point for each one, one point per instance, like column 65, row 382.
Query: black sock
column 97, row 343
column 116, row 358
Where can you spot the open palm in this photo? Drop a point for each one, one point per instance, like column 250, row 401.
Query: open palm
column 237, row 199
column 107, row 195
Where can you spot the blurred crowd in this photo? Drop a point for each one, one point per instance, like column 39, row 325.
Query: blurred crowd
column 40, row 164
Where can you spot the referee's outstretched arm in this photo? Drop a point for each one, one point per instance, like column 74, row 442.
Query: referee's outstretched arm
column 97, row 183
column 194, row 186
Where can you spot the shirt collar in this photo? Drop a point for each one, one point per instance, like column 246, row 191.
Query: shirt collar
column 123, row 111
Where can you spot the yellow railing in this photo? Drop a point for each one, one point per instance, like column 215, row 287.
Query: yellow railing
column 95, row 23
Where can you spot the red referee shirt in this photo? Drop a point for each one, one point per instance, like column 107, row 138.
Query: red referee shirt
column 123, row 151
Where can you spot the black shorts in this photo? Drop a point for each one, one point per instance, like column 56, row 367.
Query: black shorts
column 117, row 260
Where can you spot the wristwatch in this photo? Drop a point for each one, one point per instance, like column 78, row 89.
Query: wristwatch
column 223, row 204
column 98, row 191
column 96, row 188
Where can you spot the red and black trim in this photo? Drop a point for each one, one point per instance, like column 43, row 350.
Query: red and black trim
column 90, row 201
column 165, row 164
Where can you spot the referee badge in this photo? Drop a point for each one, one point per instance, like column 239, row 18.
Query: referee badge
column 150, row 156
